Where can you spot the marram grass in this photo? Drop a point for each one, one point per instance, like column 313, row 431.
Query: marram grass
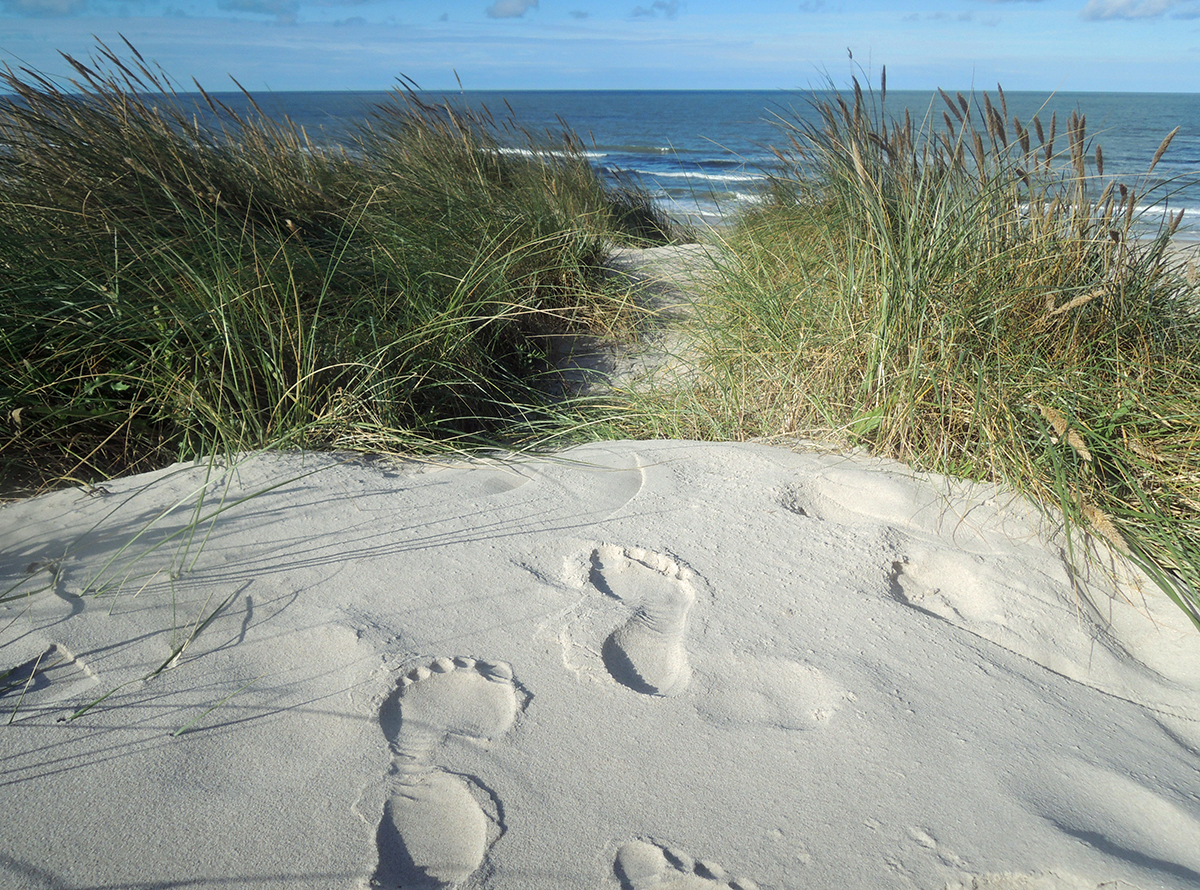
column 970, row 295
column 175, row 289
column 172, row 288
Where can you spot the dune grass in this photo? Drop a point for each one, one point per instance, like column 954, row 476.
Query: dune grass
column 176, row 282
column 966, row 294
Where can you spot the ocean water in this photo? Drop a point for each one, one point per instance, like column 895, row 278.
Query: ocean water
column 705, row 154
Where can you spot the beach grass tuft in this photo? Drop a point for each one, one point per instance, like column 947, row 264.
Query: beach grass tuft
column 957, row 294
column 180, row 280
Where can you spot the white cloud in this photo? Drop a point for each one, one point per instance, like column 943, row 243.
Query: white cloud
column 283, row 10
column 510, row 9
column 669, row 8
column 43, row 8
column 1098, row 10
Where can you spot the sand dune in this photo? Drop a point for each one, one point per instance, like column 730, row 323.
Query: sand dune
column 636, row 665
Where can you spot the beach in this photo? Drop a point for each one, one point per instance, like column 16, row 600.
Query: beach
column 436, row 515
column 628, row 664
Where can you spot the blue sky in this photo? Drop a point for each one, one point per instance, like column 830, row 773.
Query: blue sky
column 1151, row 45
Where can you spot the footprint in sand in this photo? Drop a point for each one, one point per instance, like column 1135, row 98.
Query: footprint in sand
column 764, row 691
column 642, row 865
column 647, row 652
column 433, row 832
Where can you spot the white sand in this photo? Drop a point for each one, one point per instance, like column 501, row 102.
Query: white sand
column 641, row 664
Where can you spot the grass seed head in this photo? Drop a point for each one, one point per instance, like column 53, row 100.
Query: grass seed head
column 1101, row 523
column 1162, row 149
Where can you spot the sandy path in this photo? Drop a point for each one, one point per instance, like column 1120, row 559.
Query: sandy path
column 666, row 282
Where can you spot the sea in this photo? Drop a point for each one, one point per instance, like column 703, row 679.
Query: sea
column 705, row 155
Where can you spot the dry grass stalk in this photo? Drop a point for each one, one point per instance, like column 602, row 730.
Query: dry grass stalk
column 1022, row 135
column 1101, row 523
column 1048, row 144
column 1062, row 429
column 1001, row 129
column 989, row 117
column 1076, row 302
column 1143, row 451
column 859, row 169
column 1076, row 442
column 1173, row 226
column 950, row 102
column 1161, row 151
column 1076, row 130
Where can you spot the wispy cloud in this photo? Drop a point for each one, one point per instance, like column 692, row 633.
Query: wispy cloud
column 967, row 16
column 510, row 9
column 578, row 14
column 282, row 10
column 669, row 8
column 1099, row 10
column 43, row 8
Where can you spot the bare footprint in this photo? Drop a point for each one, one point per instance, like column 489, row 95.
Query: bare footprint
column 775, row 692
column 647, row 652
column 642, row 865
column 434, row 833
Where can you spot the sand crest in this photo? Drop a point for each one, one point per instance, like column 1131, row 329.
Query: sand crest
column 629, row 665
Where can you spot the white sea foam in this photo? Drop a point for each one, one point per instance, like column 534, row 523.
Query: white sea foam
column 699, row 174
column 552, row 153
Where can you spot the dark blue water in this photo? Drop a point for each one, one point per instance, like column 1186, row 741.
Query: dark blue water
column 705, row 153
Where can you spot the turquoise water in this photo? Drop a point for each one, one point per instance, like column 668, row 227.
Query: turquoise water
column 704, row 153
